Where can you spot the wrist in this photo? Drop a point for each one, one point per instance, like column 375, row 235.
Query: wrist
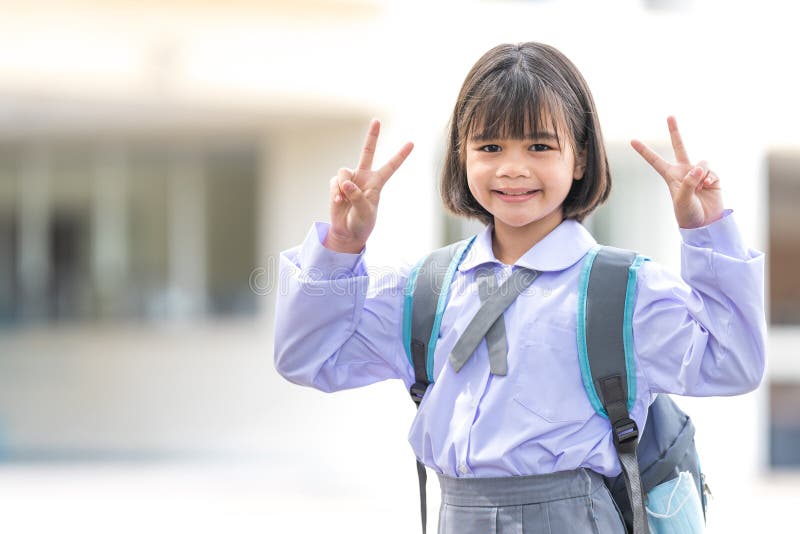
column 693, row 225
column 346, row 246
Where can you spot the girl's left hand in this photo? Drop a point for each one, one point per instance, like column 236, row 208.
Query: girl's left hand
column 696, row 192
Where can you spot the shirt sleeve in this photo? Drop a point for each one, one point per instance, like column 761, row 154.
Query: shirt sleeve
column 703, row 333
column 336, row 326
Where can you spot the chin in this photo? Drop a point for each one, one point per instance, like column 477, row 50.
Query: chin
column 517, row 224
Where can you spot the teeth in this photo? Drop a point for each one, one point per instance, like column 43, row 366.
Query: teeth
column 517, row 194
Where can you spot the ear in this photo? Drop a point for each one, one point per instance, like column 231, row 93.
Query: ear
column 580, row 165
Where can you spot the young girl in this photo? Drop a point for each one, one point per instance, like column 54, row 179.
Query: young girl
column 518, row 447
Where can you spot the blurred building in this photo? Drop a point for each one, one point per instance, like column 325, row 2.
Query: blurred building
column 154, row 159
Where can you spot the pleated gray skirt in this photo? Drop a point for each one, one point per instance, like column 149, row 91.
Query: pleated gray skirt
column 567, row 502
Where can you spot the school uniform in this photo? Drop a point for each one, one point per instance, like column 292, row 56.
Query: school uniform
column 703, row 334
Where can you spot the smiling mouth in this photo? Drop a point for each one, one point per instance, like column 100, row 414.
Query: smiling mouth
column 516, row 197
column 516, row 193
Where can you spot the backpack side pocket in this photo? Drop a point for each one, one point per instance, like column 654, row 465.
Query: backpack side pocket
column 674, row 507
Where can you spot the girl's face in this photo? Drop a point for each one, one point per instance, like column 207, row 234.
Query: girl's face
column 523, row 182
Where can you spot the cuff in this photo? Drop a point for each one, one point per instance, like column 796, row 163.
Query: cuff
column 722, row 236
column 321, row 263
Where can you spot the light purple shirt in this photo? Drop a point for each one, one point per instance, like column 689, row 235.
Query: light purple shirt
column 339, row 326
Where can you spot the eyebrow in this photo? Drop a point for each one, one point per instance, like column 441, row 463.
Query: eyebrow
column 541, row 136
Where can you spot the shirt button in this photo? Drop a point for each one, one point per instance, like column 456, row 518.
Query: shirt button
column 462, row 468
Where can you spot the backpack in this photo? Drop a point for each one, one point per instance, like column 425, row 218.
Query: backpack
column 661, row 473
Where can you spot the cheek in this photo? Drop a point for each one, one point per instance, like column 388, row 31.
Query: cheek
column 471, row 177
column 479, row 194
column 477, row 172
column 472, row 187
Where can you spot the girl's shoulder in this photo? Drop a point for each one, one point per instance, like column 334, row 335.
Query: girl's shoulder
column 643, row 272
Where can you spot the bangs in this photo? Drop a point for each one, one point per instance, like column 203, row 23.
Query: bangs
column 511, row 105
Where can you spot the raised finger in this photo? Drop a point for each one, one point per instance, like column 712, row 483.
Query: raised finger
column 651, row 157
column 681, row 156
column 393, row 164
column 370, row 142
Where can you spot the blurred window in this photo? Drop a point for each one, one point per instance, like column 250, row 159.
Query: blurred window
column 145, row 227
column 9, row 284
column 126, row 230
column 784, row 245
column 783, row 261
column 784, row 424
column 231, row 215
column 68, row 235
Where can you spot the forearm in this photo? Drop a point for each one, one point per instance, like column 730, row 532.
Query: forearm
column 329, row 333
column 707, row 336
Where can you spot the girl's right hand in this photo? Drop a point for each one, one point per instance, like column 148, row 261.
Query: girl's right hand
column 355, row 194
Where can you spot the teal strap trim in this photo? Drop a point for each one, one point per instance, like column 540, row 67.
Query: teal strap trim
column 444, row 295
column 583, row 355
column 627, row 329
column 408, row 304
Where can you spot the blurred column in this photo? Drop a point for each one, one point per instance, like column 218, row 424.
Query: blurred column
column 110, row 229
column 187, row 235
column 33, row 267
column 263, row 276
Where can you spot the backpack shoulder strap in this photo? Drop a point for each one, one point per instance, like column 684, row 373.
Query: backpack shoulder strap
column 425, row 299
column 605, row 339
column 426, row 295
column 606, row 298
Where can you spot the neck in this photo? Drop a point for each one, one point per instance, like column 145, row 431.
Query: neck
column 510, row 243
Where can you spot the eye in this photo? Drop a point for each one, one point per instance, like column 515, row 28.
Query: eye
column 539, row 147
column 490, row 148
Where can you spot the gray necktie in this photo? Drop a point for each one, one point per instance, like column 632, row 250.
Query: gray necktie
column 488, row 321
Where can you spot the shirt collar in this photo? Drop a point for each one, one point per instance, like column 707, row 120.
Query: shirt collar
column 564, row 246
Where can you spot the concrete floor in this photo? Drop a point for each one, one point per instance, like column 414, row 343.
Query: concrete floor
column 259, row 496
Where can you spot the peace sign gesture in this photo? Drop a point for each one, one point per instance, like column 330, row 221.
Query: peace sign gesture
column 355, row 194
column 696, row 192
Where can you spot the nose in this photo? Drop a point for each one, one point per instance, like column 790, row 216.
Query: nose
column 513, row 165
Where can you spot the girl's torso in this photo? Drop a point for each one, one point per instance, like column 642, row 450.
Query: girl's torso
column 536, row 419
